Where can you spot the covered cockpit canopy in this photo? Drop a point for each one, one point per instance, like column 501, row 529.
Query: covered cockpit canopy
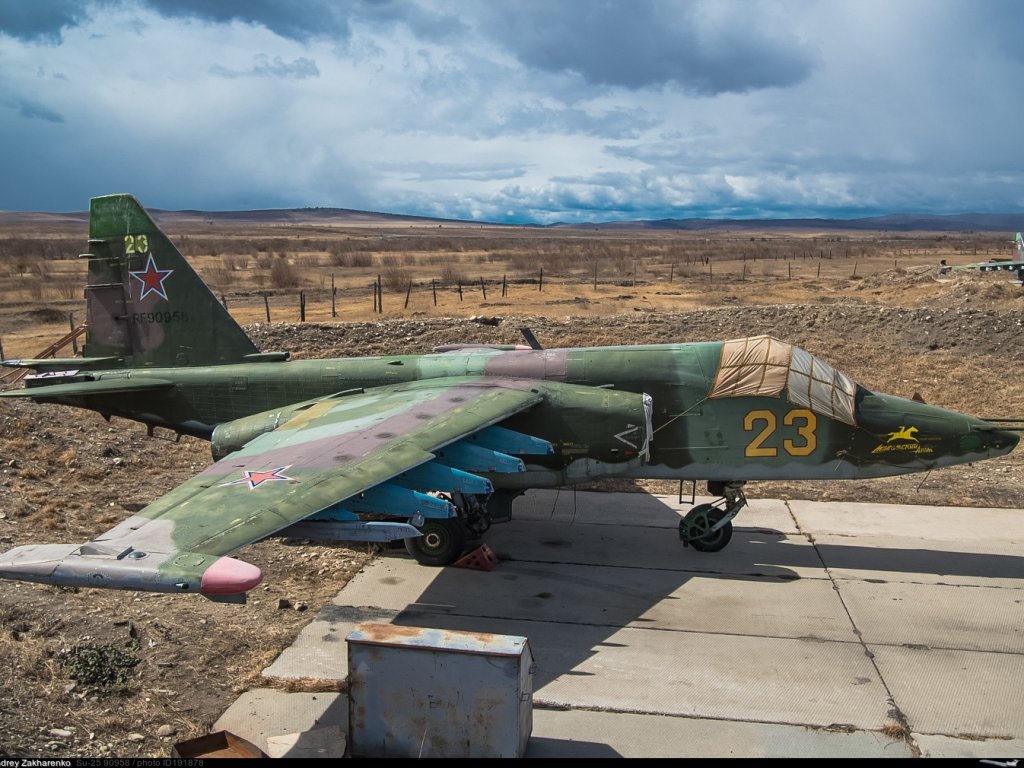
column 763, row 365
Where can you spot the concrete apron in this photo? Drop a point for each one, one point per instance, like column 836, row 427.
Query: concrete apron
column 822, row 629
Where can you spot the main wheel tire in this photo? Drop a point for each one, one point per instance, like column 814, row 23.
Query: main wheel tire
column 441, row 543
column 695, row 528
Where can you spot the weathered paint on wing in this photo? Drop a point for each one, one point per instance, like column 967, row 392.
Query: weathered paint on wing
column 280, row 478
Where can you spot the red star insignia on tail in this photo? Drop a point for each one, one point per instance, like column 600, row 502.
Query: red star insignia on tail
column 257, row 478
column 152, row 279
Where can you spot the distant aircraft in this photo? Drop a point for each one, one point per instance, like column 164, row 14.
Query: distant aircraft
column 999, row 264
column 432, row 448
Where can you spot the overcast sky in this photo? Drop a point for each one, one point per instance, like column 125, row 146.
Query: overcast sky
column 521, row 111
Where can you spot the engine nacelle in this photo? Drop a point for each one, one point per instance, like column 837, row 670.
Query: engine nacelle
column 233, row 435
column 607, row 425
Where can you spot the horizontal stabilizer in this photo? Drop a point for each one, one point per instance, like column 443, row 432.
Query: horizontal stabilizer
column 62, row 363
column 86, row 388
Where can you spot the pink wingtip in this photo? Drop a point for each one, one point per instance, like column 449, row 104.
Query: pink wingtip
column 228, row 576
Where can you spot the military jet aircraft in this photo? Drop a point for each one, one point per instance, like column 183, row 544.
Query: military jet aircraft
column 998, row 264
column 432, row 448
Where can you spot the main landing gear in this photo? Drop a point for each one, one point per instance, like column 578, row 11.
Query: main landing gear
column 444, row 540
column 708, row 527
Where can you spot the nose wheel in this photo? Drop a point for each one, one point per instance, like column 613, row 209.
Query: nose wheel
column 702, row 528
column 708, row 527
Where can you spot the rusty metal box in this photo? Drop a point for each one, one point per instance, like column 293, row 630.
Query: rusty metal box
column 417, row 692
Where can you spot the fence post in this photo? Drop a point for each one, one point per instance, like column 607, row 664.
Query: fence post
column 483, row 287
column 302, row 306
column 334, row 298
column 540, row 283
column 266, row 306
column 671, row 272
column 433, row 288
column 380, row 296
column 504, row 285
column 74, row 339
column 460, row 289
column 2, row 350
column 407, row 292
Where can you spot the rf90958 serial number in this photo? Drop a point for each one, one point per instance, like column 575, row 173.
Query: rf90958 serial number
column 168, row 316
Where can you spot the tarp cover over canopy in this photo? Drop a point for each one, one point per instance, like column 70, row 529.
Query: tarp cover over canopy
column 763, row 365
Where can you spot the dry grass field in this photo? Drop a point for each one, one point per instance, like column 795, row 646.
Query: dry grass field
column 455, row 270
column 90, row 673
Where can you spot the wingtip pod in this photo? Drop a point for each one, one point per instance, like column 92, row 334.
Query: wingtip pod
column 228, row 576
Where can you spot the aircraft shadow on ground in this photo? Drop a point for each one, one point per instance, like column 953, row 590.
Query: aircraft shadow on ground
column 570, row 589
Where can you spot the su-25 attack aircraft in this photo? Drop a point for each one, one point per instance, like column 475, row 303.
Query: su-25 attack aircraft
column 431, row 448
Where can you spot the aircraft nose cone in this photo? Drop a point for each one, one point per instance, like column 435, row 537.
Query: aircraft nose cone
column 1004, row 441
column 996, row 441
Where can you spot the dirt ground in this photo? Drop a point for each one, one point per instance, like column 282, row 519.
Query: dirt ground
column 101, row 673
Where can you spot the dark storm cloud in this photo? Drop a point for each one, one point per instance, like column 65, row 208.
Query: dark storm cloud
column 303, row 21
column 312, row 19
column 40, row 19
column 294, row 20
column 654, row 42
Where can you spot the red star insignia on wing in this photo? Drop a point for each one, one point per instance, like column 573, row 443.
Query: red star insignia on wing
column 152, row 279
column 257, row 478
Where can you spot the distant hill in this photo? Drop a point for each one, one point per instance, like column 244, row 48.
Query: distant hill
column 961, row 222
column 897, row 222
column 335, row 216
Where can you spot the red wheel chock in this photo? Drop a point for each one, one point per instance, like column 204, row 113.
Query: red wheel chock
column 480, row 559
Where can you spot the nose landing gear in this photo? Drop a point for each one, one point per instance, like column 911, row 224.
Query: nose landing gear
column 708, row 527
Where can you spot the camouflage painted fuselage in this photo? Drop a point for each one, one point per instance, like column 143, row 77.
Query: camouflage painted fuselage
column 694, row 437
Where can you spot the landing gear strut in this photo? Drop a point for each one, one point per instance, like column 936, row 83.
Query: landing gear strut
column 708, row 527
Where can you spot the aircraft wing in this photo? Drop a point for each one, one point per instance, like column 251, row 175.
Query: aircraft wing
column 333, row 450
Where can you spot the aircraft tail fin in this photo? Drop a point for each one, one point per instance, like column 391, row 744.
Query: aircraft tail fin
column 144, row 303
